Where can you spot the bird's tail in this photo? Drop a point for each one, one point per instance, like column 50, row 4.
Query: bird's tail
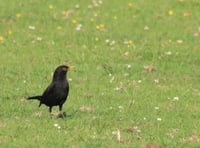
column 34, row 98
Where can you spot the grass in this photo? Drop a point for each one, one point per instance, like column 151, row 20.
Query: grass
column 136, row 81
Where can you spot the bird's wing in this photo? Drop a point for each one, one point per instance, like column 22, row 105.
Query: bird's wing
column 55, row 92
column 49, row 90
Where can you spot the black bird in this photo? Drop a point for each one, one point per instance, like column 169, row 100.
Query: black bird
column 56, row 93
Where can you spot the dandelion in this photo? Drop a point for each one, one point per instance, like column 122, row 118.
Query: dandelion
column 91, row 19
column 9, row 32
column 130, row 4
column 130, row 42
column 96, row 39
column 97, row 27
column 115, row 17
column 1, row 38
column 170, row 12
column 58, row 27
column 74, row 21
column 18, row 15
column 64, row 12
column 51, row 6
column 100, row 27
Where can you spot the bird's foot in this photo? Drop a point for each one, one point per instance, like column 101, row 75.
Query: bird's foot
column 62, row 115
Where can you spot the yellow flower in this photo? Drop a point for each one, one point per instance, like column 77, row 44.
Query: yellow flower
column 91, row 19
column 130, row 4
column 170, row 12
column 130, row 42
column 1, row 38
column 9, row 32
column 115, row 17
column 18, row 15
column 100, row 27
column 59, row 27
column 96, row 39
column 97, row 27
column 51, row 6
column 64, row 12
column 74, row 21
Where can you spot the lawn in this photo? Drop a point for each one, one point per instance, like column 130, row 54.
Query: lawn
column 136, row 81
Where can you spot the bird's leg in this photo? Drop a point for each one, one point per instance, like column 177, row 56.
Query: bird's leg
column 50, row 109
column 63, row 115
column 60, row 108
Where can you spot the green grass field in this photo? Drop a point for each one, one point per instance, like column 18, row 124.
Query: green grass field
column 136, row 81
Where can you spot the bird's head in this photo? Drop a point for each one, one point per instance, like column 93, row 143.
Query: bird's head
column 61, row 71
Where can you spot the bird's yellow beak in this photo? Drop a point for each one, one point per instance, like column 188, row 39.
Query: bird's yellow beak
column 71, row 67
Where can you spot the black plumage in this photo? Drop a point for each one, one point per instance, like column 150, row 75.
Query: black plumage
column 56, row 93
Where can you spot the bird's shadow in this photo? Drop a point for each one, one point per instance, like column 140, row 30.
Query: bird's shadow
column 66, row 116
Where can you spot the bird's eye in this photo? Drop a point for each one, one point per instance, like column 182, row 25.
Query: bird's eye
column 64, row 68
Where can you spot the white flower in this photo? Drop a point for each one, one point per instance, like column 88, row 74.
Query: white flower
column 56, row 125
column 146, row 28
column 31, row 27
column 156, row 80
column 159, row 119
column 168, row 53
column 179, row 41
column 78, row 27
column 176, row 98
column 77, row 6
column 39, row 39
column 107, row 40
column 129, row 66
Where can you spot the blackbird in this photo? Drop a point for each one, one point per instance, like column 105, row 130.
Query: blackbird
column 56, row 93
